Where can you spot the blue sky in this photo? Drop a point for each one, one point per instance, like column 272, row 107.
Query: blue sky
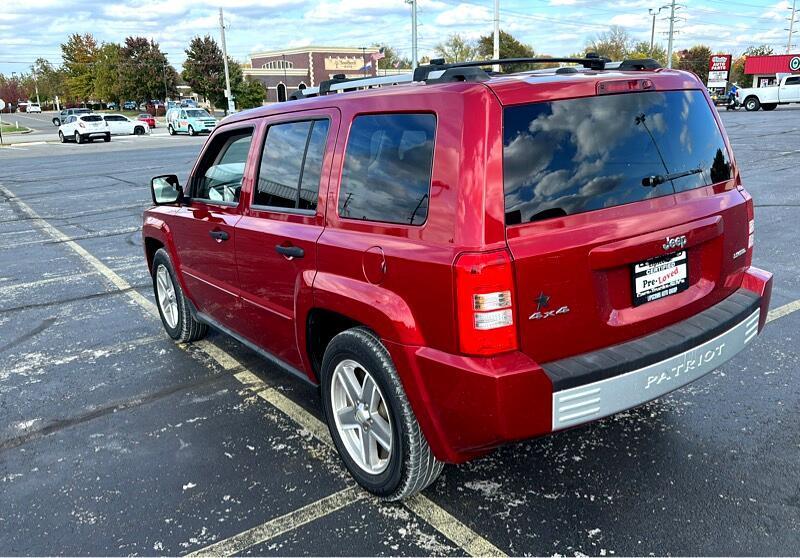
column 33, row 28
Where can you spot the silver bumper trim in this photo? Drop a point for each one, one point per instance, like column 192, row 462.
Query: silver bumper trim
column 605, row 397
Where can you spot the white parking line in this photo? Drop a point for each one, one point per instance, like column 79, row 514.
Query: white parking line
column 283, row 524
column 435, row 516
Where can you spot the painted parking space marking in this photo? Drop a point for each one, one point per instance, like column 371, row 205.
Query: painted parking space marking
column 782, row 311
column 283, row 524
column 436, row 516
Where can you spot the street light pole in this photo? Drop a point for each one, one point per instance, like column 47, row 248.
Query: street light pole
column 653, row 13
column 496, row 45
column 228, row 95
column 414, row 57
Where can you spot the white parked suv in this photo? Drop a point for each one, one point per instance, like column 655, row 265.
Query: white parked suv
column 121, row 125
column 34, row 107
column 84, row 127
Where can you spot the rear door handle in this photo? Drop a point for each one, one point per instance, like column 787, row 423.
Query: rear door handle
column 219, row 236
column 290, row 251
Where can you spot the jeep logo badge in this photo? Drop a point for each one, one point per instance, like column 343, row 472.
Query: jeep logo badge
column 677, row 242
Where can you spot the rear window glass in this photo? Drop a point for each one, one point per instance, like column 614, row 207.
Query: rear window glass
column 387, row 168
column 92, row 118
column 567, row 157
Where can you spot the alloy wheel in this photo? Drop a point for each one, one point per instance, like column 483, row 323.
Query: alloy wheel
column 361, row 415
column 167, row 299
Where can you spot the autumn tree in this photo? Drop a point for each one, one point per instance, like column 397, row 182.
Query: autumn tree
column 614, row 44
column 50, row 80
column 204, row 69
column 695, row 60
column 642, row 50
column 737, row 68
column 456, row 49
column 79, row 54
column 107, row 75
column 144, row 70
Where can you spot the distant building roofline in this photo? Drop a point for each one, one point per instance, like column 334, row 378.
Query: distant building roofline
column 312, row 48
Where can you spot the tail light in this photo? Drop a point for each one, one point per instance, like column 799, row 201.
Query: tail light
column 751, row 230
column 624, row 86
column 484, row 286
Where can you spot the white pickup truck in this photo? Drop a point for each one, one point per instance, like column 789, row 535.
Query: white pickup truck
column 767, row 98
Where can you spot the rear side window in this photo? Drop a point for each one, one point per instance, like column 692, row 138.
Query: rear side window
column 387, row 168
column 291, row 165
column 567, row 157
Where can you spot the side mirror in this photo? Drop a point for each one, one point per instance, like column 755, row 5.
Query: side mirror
column 166, row 189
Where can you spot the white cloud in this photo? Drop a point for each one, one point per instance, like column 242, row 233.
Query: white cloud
column 631, row 20
column 464, row 14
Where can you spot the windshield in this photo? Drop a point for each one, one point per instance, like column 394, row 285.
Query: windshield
column 572, row 156
column 197, row 113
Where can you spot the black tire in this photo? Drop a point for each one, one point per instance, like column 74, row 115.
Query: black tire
column 769, row 106
column 56, row 122
column 752, row 104
column 138, row 131
column 171, row 130
column 61, row 137
column 78, row 138
column 191, row 131
column 412, row 466
column 107, row 138
column 187, row 328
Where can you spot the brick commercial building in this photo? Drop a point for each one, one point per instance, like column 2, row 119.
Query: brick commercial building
column 285, row 71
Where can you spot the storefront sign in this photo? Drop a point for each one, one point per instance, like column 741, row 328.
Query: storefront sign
column 719, row 67
column 344, row 64
column 794, row 64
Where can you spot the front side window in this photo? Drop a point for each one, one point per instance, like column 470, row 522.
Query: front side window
column 573, row 156
column 387, row 168
column 219, row 176
column 793, row 81
column 291, row 165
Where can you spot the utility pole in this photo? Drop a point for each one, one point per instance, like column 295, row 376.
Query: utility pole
column 165, row 82
column 791, row 28
column 36, row 85
column 228, row 94
column 414, row 58
column 671, row 33
column 653, row 13
column 496, row 51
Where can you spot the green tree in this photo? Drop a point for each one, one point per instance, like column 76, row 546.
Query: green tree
column 695, row 60
column 614, row 44
column 642, row 50
column 204, row 70
column 510, row 47
column 391, row 59
column 107, row 75
column 145, row 72
column 49, row 79
column 247, row 93
column 456, row 49
column 79, row 54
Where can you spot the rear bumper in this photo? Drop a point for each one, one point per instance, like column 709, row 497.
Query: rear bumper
column 468, row 405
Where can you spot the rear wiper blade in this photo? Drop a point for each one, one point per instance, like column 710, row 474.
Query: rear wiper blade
column 657, row 179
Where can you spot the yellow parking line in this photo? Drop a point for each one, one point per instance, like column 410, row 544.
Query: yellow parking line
column 283, row 524
column 467, row 539
column 782, row 311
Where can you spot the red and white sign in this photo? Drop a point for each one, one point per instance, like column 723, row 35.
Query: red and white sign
column 719, row 63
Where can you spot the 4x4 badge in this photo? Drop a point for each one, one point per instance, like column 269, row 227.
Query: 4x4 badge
column 542, row 301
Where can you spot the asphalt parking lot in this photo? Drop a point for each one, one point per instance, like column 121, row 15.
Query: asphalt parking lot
column 114, row 440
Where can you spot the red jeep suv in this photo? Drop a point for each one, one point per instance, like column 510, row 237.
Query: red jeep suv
column 460, row 259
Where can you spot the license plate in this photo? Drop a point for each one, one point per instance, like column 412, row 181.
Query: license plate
column 654, row 279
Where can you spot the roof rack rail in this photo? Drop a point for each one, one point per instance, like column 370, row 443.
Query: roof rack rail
column 437, row 71
column 437, row 68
